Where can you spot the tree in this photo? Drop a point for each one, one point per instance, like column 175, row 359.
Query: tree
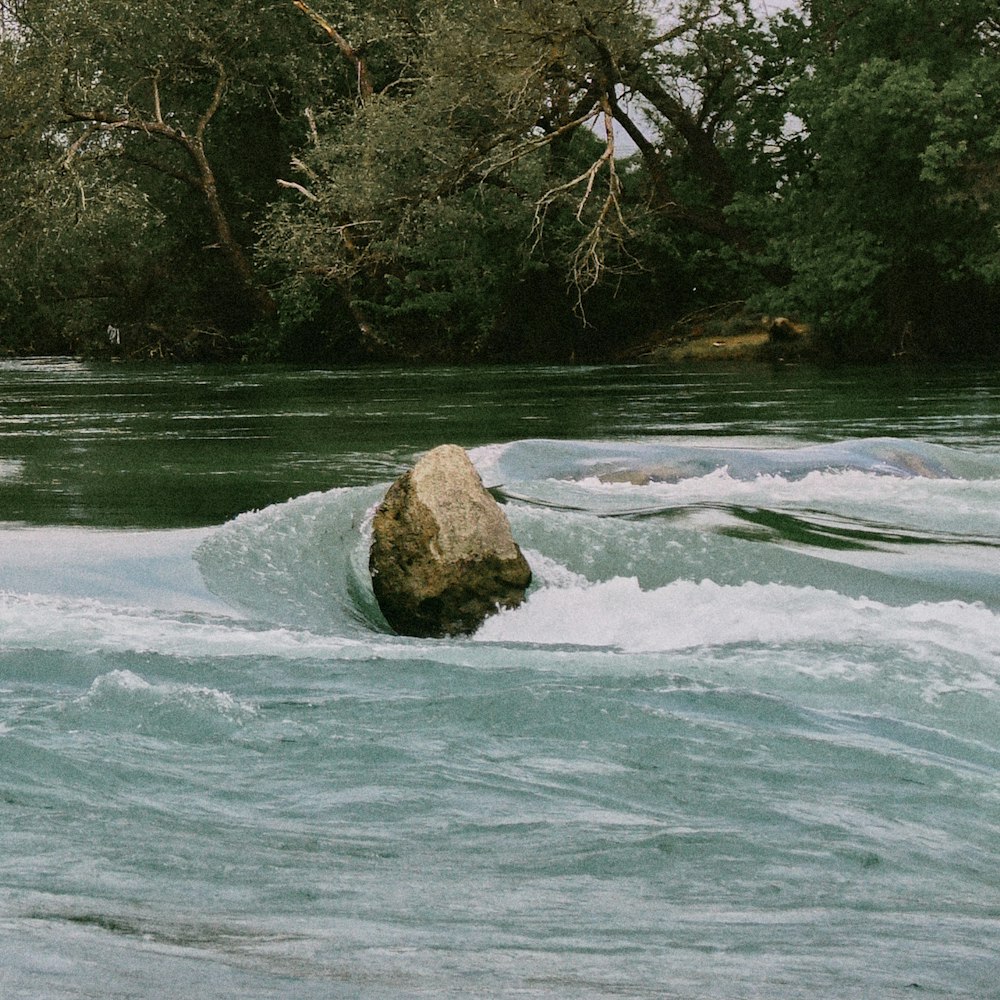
column 507, row 122
column 889, row 228
column 469, row 178
column 180, row 114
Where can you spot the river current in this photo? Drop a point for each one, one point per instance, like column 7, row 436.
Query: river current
column 741, row 741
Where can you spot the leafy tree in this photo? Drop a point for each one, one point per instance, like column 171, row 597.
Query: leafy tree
column 469, row 178
column 169, row 122
column 511, row 118
column 441, row 163
column 889, row 226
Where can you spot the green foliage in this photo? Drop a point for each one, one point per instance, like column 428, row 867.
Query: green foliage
column 889, row 228
column 490, row 168
column 453, row 271
column 465, row 178
column 147, row 148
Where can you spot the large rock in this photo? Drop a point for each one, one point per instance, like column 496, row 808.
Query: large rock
column 443, row 558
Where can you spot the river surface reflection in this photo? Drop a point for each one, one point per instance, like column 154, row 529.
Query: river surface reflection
column 155, row 446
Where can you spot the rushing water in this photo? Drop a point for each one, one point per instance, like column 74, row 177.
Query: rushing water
column 743, row 739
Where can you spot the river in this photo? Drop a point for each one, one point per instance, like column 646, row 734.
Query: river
column 741, row 741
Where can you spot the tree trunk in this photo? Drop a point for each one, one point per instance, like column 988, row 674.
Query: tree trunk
column 263, row 303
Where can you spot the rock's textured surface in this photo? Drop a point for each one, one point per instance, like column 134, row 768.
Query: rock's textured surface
column 443, row 557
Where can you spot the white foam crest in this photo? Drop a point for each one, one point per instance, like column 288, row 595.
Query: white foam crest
column 117, row 684
column 38, row 622
column 486, row 459
column 823, row 483
column 551, row 572
column 617, row 613
column 11, row 468
column 967, row 506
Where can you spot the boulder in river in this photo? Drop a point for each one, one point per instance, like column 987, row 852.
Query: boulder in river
column 443, row 558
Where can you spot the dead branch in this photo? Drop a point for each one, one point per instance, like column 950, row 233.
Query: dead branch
column 304, row 191
column 537, row 142
column 298, row 164
column 313, row 130
column 157, row 111
column 77, row 145
column 589, row 260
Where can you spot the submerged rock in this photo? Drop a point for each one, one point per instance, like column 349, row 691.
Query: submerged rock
column 644, row 475
column 443, row 557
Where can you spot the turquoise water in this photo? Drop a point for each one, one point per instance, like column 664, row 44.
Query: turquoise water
column 742, row 740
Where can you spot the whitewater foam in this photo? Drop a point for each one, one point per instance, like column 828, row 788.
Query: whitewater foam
column 35, row 621
column 841, row 485
column 111, row 688
column 618, row 613
column 115, row 683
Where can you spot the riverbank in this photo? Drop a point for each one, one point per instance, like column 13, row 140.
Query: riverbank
column 717, row 335
column 722, row 335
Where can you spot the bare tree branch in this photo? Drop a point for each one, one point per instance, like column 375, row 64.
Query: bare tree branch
column 157, row 111
column 538, row 142
column 203, row 180
column 589, row 259
column 304, row 191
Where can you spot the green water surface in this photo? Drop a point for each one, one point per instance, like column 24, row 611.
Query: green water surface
column 158, row 447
